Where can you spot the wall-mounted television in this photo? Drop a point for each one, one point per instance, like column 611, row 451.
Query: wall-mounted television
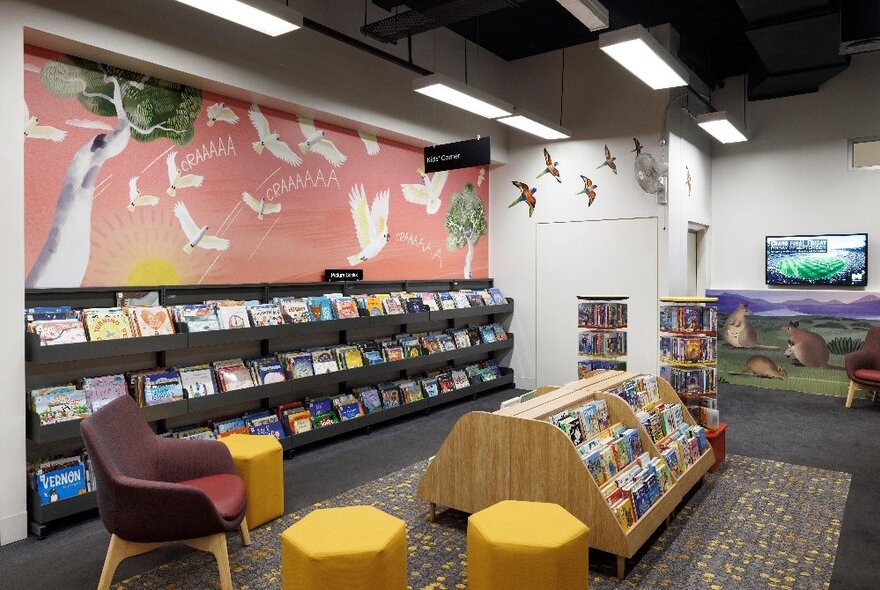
column 830, row 259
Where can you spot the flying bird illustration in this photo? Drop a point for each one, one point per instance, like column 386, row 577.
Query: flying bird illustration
column 136, row 199
column 370, row 223
column 371, row 142
column 589, row 189
column 35, row 131
column 551, row 167
column 220, row 112
column 481, row 177
column 261, row 207
column 196, row 235
column 177, row 180
column 609, row 160
column 526, row 195
column 688, row 181
column 270, row 140
column 639, row 147
column 427, row 193
column 316, row 142
column 88, row 124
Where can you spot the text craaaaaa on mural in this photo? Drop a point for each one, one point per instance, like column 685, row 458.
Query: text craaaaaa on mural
column 134, row 180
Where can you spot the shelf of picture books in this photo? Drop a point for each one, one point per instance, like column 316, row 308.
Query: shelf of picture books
column 618, row 450
column 62, row 333
column 602, row 321
column 60, row 486
column 689, row 353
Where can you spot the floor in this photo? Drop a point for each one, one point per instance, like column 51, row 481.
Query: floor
column 791, row 427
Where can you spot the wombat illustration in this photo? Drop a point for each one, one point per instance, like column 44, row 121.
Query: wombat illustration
column 807, row 348
column 762, row 366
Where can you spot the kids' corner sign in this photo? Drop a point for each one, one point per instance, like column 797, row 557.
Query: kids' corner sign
column 133, row 180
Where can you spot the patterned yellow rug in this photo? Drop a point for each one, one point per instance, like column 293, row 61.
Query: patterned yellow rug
column 753, row 524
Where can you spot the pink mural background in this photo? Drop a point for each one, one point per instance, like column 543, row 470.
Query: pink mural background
column 314, row 229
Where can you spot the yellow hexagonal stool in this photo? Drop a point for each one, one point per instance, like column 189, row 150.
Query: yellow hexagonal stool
column 350, row 548
column 259, row 462
column 526, row 546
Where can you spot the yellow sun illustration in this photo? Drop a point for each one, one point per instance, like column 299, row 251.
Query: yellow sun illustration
column 153, row 271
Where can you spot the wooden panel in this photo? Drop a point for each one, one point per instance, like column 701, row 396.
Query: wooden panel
column 556, row 393
column 564, row 399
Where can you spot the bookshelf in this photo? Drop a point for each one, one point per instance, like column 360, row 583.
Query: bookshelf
column 516, row 454
column 51, row 365
column 602, row 323
column 688, row 353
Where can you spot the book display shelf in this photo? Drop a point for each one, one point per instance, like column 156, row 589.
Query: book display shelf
column 52, row 365
column 515, row 453
column 689, row 353
column 602, row 322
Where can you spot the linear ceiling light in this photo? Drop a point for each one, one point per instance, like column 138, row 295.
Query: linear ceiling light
column 265, row 16
column 593, row 15
column 638, row 51
column 720, row 126
column 525, row 121
column 458, row 94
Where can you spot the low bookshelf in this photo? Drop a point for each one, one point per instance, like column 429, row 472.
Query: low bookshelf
column 602, row 324
column 516, row 454
column 53, row 365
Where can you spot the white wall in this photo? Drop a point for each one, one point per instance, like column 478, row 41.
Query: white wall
column 791, row 176
column 305, row 71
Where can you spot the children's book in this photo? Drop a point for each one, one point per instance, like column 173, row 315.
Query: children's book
column 370, row 399
column 460, row 379
column 100, row 391
column 151, row 321
column 323, row 361
column 497, row 297
column 197, row 381
column 110, row 323
column 302, row 365
column 233, row 375
column 162, row 387
column 446, row 300
column 233, row 317
column 320, row 309
column 137, row 298
column 294, row 310
column 346, row 308
column 373, row 305
column 59, row 404
column 430, row 386
column 266, row 314
column 61, row 484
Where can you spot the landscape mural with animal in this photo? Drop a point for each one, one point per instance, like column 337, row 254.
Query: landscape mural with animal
column 135, row 180
column 793, row 340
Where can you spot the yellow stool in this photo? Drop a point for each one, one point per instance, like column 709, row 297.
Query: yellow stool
column 351, row 548
column 525, row 546
column 258, row 461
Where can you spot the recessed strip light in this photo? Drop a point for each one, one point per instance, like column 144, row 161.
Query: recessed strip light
column 720, row 126
column 535, row 125
column 638, row 51
column 265, row 16
column 593, row 15
column 458, row 94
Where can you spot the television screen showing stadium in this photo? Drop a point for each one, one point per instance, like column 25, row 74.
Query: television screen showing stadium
column 830, row 259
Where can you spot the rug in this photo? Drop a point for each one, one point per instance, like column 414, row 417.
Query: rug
column 752, row 524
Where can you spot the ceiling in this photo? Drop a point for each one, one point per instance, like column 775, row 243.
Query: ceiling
column 786, row 46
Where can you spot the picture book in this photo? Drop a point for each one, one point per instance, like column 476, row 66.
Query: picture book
column 446, row 342
column 370, row 399
column 373, row 305
column 411, row 347
column 414, row 305
column 323, row 361
column 162, row 387
column 265, row 314
column 410, row 391
column 59, row 404
column 294, row 310
column 500, row 333
column 497, row 297
column 486, row 297
column 233, row 317
column 62, row 312
column 233, row 375
column 446, row 300
column 349, row 410
column 430, row 386
column 152, row 321
column 302, row 365
column 137, row 298
column 299, row 422
column 460, row 379
column 61, row 484
column 373, row 357
column 474, row 300
column 460, row 337
column 487, row 334
column 460, row 299
column 320, row 309
column 266, row 370
column 445, row 383
column 346, row 308
column 197, row 381
column 323, row 420
column 110, row 323
column 430, row 301
column 100, row 391
column 390, row 395
column 353, row 357
column 392, row 305
column 393, row 353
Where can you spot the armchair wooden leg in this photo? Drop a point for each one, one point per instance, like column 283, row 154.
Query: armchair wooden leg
column 245, row 532
column 118, row 550
column 851, row 393
column 215, row 544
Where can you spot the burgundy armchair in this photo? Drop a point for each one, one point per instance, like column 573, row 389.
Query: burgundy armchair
column 863, row 366
column 153, row 490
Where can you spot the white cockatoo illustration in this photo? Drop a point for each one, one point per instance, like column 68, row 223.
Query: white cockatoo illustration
column 220, row 112
column 136, row 199
column 371, row 223
column 269, row 139
column 427, row 193
column 35, row 131
column 177, row 180
column 371, row 142
column 88, row 124
column 196, row 235
column 316, row 142
column 261, row 207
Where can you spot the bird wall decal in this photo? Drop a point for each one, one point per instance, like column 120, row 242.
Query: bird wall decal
column 371, row 142
column 176, row 180
column 197, row 236
column 550, row 167
column 136, row 199
column 526, row 195
column 261, row 207
column 370, row 223
column 427, row 193
column 316, row 141
column 220, row 112
column 270, row 140
column 589, row 190
column 609, row 160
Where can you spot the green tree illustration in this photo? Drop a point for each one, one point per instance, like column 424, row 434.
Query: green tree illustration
column 465, row 223
column 145, row 108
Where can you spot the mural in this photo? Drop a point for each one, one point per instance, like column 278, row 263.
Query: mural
column 793, row 340
column 133, row 180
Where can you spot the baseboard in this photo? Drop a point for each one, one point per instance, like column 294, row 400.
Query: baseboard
column 13, row 528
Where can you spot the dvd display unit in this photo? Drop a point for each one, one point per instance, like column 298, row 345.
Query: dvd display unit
column 829, row 259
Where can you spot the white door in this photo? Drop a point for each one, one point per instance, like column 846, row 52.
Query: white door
column 602, row 257
column 692, row 264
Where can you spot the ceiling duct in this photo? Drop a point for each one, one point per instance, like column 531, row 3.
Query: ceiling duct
column 412, row 22
column 859, row 26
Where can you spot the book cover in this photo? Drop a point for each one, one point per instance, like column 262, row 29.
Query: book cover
column 323, row 362
column 410, row 391
column 294, row 310
column 445, row 382
column 59, row 404
column 266, row 314
column 61, row 484
column 369, row 397
column 107, row 324
column 393, row 353
column 390, row 396
column 446, row 300
column 497, row 297
column 430, row 386
column 320, row 406
column 268, row 428
column 373, row 357
column 346, row 308
column 487, row 334
column 430, row 301
column 233, row 317
column 233, row 375
column 100, row 391
column 349, row 410
column 500, row 333
column 392, row 306
column 373, row 306
column 197, row 381
column 163, row 387
column 269, row 371
column 152, row 321
column 460, row 299
column 137, row 298
column 299, row 422
column 320, row 309
column 486, row 297
column 460, row 337
column 460, row 379
column 302, row 365
column 353, row 358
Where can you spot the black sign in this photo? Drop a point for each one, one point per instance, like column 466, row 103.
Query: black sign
column 345, row 274
column 461, row 154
